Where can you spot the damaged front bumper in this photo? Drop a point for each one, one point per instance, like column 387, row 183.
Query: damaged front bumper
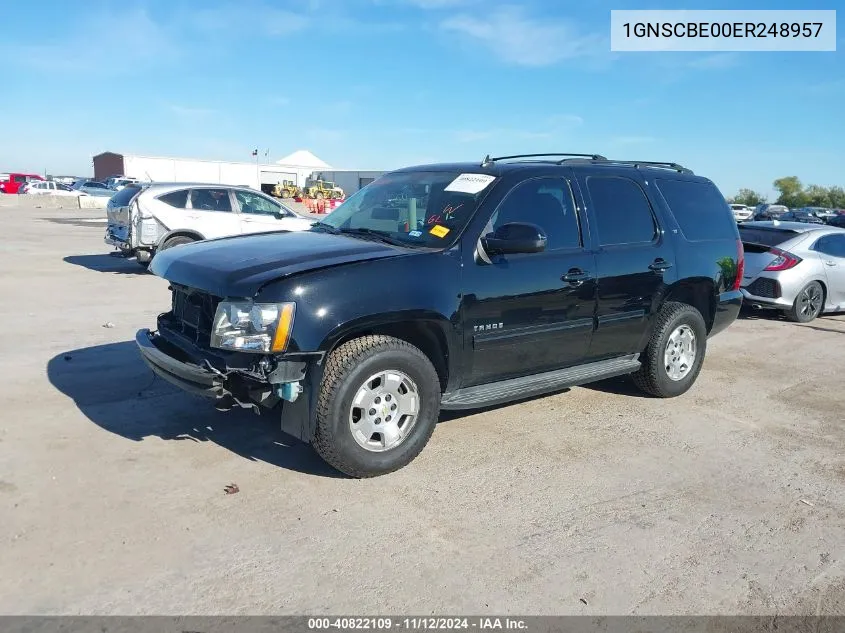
column 231, row 380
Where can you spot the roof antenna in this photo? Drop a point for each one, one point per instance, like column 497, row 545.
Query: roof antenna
column 487, row 162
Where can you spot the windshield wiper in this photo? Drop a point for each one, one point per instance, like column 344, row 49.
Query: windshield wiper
column 378, row 235
column 326, row 227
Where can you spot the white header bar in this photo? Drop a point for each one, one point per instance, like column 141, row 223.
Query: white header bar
column 802, row 30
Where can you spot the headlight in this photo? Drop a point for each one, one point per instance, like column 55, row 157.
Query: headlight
column 252, row 327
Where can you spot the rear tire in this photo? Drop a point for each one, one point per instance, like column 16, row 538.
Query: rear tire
column 808, row 304
column 675, row 353
column 366, row 424
column 176, row 241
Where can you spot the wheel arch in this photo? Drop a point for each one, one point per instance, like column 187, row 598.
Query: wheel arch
column 193, row 234
column 699, row 292
column 428, row 331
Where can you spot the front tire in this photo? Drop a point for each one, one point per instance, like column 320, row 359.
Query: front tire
column 808, row 304
column 675, row 353
column 378, row 404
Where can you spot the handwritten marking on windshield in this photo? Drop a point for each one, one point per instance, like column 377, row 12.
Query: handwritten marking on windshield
column 449, row 211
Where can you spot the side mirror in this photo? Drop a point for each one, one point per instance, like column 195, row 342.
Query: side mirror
column 515, row 237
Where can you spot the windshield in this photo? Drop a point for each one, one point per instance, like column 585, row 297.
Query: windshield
column 425, row 208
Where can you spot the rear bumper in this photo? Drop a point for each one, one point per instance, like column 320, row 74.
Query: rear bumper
column 166, row 363
column 727, row 310
column 764, row 302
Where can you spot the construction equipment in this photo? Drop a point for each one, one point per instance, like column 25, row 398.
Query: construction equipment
column 286, row 189
column 323, row 189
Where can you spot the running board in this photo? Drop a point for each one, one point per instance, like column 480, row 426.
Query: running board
column 527, row 386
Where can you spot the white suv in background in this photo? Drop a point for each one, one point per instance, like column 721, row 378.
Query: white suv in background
column 146, row 218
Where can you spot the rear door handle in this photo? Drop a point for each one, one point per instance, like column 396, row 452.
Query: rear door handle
column 575, row 277
column 829, row 263
column 660, row 265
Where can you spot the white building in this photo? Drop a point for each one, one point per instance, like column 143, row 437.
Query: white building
column 298, row 167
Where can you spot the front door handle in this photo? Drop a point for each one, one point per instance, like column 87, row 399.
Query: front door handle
column 575, row 277
column 829, row 263
column 660, row 265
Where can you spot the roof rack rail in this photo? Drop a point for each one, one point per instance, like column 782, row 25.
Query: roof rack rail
column 489, row 161
column 637, row 163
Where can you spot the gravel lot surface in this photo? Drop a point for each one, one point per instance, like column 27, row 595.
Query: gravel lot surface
column 730, row 499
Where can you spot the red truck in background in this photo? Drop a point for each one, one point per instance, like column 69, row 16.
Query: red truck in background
column 11, row 183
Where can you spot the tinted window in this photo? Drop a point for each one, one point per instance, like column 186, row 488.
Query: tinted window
column 699, row 208
column 123, row 197
column 96, row 185
column 765, row 236
column 19, row 178
column 546, row 202
column 178, row 199
column 622, row 211
column 253, row 203
column 211, row 200
column 833, row 245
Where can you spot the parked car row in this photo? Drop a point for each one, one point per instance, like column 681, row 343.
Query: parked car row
column 809, row 215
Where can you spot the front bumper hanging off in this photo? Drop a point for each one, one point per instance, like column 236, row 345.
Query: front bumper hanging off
column 184, row 374
column 292, row 382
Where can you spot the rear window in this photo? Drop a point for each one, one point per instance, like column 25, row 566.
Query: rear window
column 123, row 197
column 765, row 236
column 699, row 208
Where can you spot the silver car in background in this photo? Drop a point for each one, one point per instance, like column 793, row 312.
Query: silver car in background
column 795, row 267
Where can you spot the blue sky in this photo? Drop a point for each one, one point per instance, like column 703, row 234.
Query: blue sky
column 379, row 84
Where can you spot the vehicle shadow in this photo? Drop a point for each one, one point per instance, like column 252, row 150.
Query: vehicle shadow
column 620, row 386
column 107, row 263
column 113, row 388
column 750, row 314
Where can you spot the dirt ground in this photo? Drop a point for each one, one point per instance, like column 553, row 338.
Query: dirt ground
column 730, row 499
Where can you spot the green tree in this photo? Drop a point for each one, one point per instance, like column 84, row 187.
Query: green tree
column 817, row 196
column 749, row 198
column 791, row 192
column 837, row 197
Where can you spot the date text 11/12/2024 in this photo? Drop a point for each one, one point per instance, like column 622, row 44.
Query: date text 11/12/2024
column 416, row 623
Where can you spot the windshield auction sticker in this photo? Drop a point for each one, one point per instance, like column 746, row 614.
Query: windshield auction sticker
column 470, row 183
column 439, row 231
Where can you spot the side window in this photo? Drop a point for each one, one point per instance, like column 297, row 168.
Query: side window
column 51, row 185
column 546, row 202
column 20, row 178
column 210, row 200
column 252, row 203
column 177, row 199
column 623, row 213
column 833, row 245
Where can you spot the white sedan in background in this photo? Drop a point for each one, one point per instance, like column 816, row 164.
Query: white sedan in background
column 742, row 212
column 49, row 187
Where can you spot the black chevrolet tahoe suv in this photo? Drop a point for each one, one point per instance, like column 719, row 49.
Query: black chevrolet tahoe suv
column 453, row 286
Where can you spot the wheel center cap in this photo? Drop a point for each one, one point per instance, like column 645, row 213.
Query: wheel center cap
column 385, row 411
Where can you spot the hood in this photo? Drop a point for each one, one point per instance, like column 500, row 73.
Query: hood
column 239, row 266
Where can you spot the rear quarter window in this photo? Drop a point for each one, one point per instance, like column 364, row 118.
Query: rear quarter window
column 700, row 209
column 178, row 199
